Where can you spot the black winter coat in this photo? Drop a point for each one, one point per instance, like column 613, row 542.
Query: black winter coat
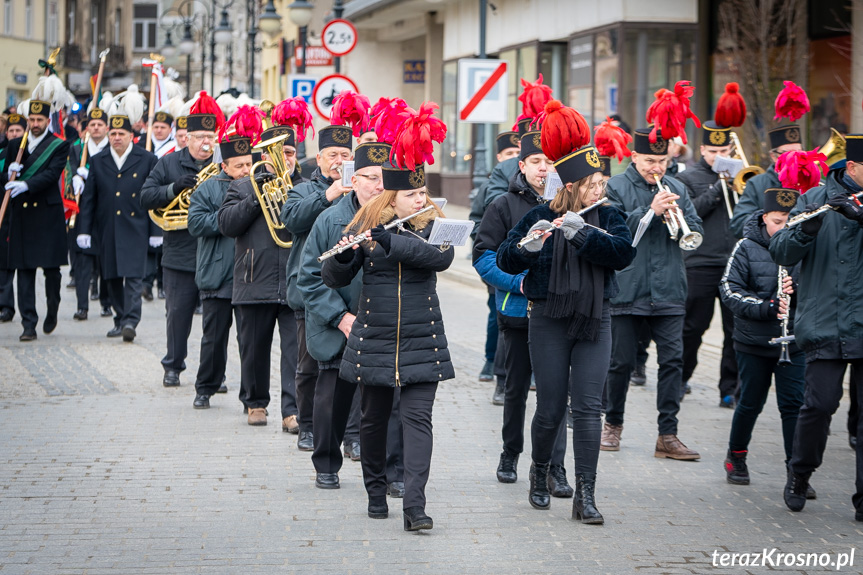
column 36, row 219
column 705, row 191
column 259, row 264
column 71, row 170
column 179, row 247
column 749, row 289
column 398, row 337
column 111, row 209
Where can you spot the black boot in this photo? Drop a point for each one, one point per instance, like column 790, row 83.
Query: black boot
column 795, row 490
column 378, row 508
column 498, row 396
column 584, row 505
column 538, row 495
column 416, row 519
column 557, row 483
column 736, row 471
column 507, row 468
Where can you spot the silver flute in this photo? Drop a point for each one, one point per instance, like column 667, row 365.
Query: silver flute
column 800, row 218
column 365, row 236
column 536, row 234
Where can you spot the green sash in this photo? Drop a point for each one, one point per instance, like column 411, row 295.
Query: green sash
column 37, row 165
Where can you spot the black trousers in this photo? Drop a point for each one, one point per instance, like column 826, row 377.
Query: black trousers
column 86, row 266
column 154, row 269
column 565, row 366
column 181, row 297
column 216, row 322
column 756, row 375
column 255, row 327
column 395, row 440
column 703, row 289
column 333, row 399
column 516, row 354
column 666, row 331
column 306, row 378
column 820, row 402
column 416, row 403
column 126, row 300
column 7, row 291
column 27, row 294
column 352, row 429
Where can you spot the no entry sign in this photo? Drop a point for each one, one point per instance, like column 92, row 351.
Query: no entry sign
column 482, row 94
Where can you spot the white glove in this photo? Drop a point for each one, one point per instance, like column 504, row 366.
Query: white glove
column 155, row 241
column 83, row 172
column 83, row 241
column 14, row 167
column 17, row 188
column 730, row 167
column 572, row 222
column 77, row 184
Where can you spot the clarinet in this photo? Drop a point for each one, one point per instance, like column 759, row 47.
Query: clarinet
column 784, row 358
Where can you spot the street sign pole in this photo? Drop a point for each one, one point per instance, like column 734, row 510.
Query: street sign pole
column 480, row 168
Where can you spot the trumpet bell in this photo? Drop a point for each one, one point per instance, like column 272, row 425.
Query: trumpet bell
column 739, row 183
column 834, row 148
column 690, row 241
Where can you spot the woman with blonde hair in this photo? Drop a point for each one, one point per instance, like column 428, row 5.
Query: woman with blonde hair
column 570, row 278
column 398, row 338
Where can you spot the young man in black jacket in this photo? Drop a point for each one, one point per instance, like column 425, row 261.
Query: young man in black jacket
column 525, row 191
column 704, row 266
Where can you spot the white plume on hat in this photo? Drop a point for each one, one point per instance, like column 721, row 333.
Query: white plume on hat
column 172, row 89
column 228, row 104
column 24, row 108
column 129, row 103
column 51, row 89
column 244, row 100
column 174, row 106
column 187, row 107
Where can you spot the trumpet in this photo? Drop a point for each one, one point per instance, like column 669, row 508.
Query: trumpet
column 175, row 216
column 536, row 234
column 800, row 218
column 365, row 236
column 675, row 222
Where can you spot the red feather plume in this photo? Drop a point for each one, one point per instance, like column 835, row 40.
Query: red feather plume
column 611, row 140
column 246, row 122
column 801, row 170
column 206, row 104
column 564, row 130
column 388, row 115
column 791, row 102
column 351, row 109
column 731, row 108
column 414, row 142
column 293, row 112
column 670, row 111
column 533, row 98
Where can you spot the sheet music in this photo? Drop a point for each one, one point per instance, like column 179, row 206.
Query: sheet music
column 347, row 172
column 439, row 202
column 450, row 232
column 643, row 223
column 552, row 184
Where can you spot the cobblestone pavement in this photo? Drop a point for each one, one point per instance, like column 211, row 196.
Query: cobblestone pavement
column 102, row 470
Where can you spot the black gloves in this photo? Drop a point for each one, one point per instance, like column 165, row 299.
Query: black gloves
column 769, row 309
column 382, row 237
column 813, row 225
column 346, row 256
column 848, row 207
column 183, row 182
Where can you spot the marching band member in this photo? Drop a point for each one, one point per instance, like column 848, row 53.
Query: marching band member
column 570, row 280
column 215, row 261
column 750, row 287
column 653, row 289
column 111, row 210
column 525, row 192
column 163, row 139
column 705, row 265
column 260, row 297
column 173, row 174
column 394, row 341
column 16, row 125
column 181, row 132
column 827, row 326
column 37, row 224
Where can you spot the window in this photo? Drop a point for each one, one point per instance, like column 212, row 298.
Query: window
column 144, row 25
column 51, row 31
column 7, row 17
column 28, row 18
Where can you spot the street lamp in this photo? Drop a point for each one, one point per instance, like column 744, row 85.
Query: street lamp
column 300, row 13
column 168, row 50
column 223, row 34
column 270, row 22
column 187, row 43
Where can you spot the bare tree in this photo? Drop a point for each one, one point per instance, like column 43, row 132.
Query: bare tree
column 765, row 43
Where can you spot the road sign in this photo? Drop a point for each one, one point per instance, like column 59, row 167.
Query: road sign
column 482, row 94
column 315, row 56
column 339, row 37
column 326, row 91
column 302, row 86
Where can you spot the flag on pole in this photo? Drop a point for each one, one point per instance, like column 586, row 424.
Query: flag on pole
column 159, row 97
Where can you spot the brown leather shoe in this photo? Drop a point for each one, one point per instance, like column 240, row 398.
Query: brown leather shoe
column 290, row 425
column 257, row 416
column 610, row 437
column 669, row 447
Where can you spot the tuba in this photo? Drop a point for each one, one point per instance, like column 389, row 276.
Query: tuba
column 175, row 216
column 739, row 183
column 273, row 194
column 834, row 148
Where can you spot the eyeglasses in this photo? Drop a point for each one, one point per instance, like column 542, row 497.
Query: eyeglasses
column 601, row 183
column 208, row 137
column 371, row 179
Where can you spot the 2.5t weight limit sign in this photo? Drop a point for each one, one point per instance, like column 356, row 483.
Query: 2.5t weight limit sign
column 339, row 37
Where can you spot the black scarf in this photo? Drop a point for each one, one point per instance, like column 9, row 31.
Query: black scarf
column 576, row 287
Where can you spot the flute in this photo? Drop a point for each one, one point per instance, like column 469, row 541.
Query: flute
column 800, row 218
column 358, row 239
column 536, row 234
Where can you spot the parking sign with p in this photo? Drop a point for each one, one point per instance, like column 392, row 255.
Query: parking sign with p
column 302, row 86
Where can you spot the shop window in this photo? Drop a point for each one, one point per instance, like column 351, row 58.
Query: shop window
column 457, row 145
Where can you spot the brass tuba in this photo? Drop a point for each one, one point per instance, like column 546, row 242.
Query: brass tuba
column 739, row 183
column 175, row 216
column 834, row 148
column 273, row 193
